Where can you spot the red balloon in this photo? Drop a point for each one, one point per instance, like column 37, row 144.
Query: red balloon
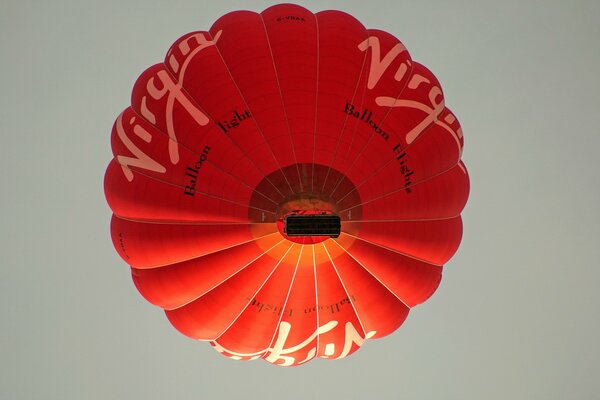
column 286, row 117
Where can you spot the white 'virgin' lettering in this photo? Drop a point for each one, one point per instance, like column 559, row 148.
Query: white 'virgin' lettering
column 433, row 110
column 280, row 354
column 378, row 65
column 141, row 159
column 199, row 41
column 168, row 85
column 159, row 86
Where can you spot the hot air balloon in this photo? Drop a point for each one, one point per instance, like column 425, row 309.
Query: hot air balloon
column 286, row 185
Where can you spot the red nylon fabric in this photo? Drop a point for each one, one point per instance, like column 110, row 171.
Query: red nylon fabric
column 263, row 114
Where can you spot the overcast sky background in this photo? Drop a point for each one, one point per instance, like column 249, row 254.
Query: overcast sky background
column 516, row 315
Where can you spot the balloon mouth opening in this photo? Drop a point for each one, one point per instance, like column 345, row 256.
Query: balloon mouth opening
column 307, row 203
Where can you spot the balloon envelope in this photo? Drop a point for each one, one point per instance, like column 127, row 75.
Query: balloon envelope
column 281, row 113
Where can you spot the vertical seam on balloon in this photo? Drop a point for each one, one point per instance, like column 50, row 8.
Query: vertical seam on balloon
column 255, row 122
column 233, row 142
column 339, row 140
column 230, row 276
column 287, row 122
column 429, row 265
column 317, row 44
column 412, row 185
column 423, row 133
column 195, row 223
column 380, row 123
column 191, row 151
column 342, row 130
column 255, row 293
column 390, row 160
column 393, row 250
column 316, row 301
column 202, row 255
column 156, row 179
column 345, row 289
column 366, row 180
column 362, row 221
column 373, row 275
column 382, row 166
column 197, row 192
column 362, row 102
column 287, row 297
column 354, row 96
column 191, row 98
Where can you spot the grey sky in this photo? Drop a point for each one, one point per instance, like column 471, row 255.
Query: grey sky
column 516, row 316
